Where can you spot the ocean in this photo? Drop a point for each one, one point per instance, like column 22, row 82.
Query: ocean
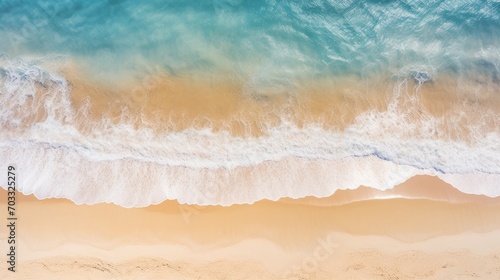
column 232, row 102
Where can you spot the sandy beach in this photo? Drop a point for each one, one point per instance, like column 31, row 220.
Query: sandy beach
column 407, row 233
column 229, row 139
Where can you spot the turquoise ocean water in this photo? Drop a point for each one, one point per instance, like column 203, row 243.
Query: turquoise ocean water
column 281, row 39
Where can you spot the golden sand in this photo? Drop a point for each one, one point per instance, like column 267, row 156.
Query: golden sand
column 435, row 232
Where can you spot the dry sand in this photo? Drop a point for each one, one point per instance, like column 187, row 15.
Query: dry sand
column 438, row 234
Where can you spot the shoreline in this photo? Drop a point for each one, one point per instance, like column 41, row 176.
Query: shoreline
column 374, row 216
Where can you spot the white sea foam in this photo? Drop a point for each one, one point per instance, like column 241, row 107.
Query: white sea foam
column 132, row 168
